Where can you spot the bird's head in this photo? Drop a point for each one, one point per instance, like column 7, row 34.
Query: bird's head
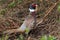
column 33, row 8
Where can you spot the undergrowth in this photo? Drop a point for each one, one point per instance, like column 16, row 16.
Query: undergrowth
column 48, row 37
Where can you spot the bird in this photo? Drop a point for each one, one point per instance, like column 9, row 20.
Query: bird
column 27, row 23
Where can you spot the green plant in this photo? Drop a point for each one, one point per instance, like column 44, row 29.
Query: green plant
column 27, row 30
column 48, row 37
column 2, row 11
column 12, row 4
column 4, row 37
column 43, row 38
column 58, row 7
column 58, row 20
column 19, row 1
column 21, row 37
column 51, row 37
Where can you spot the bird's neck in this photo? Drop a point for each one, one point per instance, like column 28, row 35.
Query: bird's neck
column 33, row 14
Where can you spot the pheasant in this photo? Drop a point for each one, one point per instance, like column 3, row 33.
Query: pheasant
column 28, row 22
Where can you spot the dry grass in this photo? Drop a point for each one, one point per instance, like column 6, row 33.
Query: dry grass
column 12, row 15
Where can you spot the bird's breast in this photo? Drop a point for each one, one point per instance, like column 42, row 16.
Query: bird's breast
column 22, row 27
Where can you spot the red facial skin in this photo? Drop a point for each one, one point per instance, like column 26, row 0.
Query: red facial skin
column 33, row 5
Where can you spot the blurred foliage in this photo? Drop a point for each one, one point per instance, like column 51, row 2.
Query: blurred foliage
column 48, row 37
column 2, row 11
column 58, row 7
column 58, row 20
column 19, row 1
column 12, row 4
column 21, row 37
column 2, row 1
column 44, row 38
column 4, row 37
column 51, row 38
column 27, row 31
